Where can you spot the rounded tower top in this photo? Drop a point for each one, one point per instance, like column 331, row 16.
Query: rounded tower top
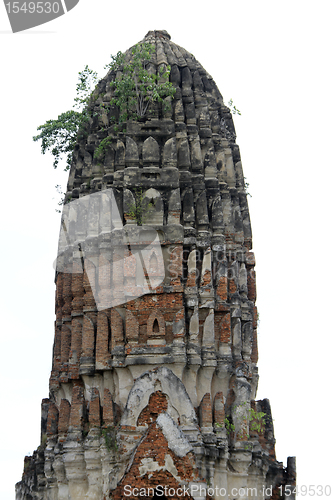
column 193, row 132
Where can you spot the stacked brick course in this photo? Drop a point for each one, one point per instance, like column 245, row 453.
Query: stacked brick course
column 157, row 390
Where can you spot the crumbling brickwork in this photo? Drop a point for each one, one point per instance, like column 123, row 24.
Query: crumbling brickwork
column 158, row 389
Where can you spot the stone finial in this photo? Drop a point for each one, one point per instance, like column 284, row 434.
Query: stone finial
column 158, row 34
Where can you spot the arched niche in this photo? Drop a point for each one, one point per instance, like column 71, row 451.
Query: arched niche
column 129, row 204
column 217, row 213
column 184, row 157
column 163, row 379
column 170, row 153
column 152, row 208
column 156, row 329
column 119, row 161
column 150, row 152
column 105, row 211
column 174, row 207
column 153, row 264
column 131, row 153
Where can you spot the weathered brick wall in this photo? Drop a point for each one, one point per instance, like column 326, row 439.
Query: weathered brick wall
column 153, row 457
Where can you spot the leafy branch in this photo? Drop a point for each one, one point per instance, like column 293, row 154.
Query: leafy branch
column 87, row 82
column 100, row 151
column 230, row 427
column 139, row 211
column 246, row 187
column 135, row 88
column 59, row 136
column 138, row 85
column 256, row 421
column 110, row 437
column 233, row 108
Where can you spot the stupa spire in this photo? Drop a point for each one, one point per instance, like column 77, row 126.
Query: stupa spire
column 154, row 373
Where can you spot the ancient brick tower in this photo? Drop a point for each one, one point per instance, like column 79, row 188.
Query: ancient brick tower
column 158, row 392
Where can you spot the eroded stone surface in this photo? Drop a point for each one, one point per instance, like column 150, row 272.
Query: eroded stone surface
column 157, row 391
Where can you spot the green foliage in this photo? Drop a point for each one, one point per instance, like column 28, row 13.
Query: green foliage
column 233, row 108
column 230, row 427
column 100, row 151
column 62, row 201
column 134, row 89
column 137, row 86
column 59, row 136
column 110, row 437
column 246, row 187
column 257, row 421
column 87, row 81
column 139, row 211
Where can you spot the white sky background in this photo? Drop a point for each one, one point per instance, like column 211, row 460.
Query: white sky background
column 275, row 60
